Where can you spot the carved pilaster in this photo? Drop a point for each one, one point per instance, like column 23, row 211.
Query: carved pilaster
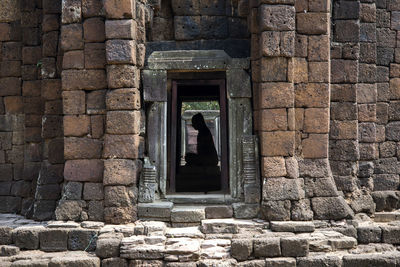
column 148, row 183
column 250, row 169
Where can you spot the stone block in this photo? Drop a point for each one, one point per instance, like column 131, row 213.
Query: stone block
column 120, row 52
column 384, row 55
column 385, row 182
column 301, row 210
column 312, row 23
column 273, row 167
column 385, row 37
column 343, row 129
column 187, row 214
column 273, row 119
column 300, row 70
column 10, row 86
column 48, row 192
column 283, row 189
column 123, row 146
column 344, row 71
column 74, row 102
column 315, row 146
column 367, row 132
column 279, row 143
column 367, row 32
column 274, row 69
column 387, row 149
column 276, row 95
column 316, row 120
column 241, row 249
column 97, row 126
column 95, row 55
column 6, row 235
column 96, row 102
column 218, row 212
column 52, row 126
column 344, row 150
column 111, row 262
column 27, row 237
column 82, row 239
column 71, row 11
column 10, row 69
column 369, row 234
column 94, row 30
column 96, row 210
column 245, row 211
column 367, row 52
column 318, row 71
column 385, row 200
column 51, row 89
column 53, row 240
column 367, row 112
column 313, row 95
column 155, row 210
column 294, row 246
column 394, row 88
column 120, row 215
column 123, row 76
column 189, row 27
column 83, row 79
column 276, row 210
column 72, row 191
column 71, row 37
column 215, row 27
column 11, row 51
column 73, row 60
column 120, row 9
column 334, row 208
column 318, row 48
column 121, row 172
column 92, row 8
column 393, row 131
column 319, row 260
column 108, row 246
column 287, row 262
column 118, row 196
column 346, row 10
column 123, row 122
column 391, row 234
column 50, row 42
column 367, row 260
column 267, row 247
column 84, row 170
column 93, row 191
column 82, row 148
column 343, row 111
column 69, row 210
column 347, row 31
column 76, row 125
column 120, row 29
column 50, row 23
column 10, row 204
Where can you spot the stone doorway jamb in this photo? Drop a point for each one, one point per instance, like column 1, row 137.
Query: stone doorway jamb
column 244, row 180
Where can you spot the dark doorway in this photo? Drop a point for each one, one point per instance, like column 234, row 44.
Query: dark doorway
column 198, row 136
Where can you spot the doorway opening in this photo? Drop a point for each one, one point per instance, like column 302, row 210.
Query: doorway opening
column 198, row 151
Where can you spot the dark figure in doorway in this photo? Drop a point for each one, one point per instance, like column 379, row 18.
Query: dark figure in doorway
column 206, row 153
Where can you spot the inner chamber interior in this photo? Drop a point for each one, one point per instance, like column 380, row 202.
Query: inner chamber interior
column 196, row 146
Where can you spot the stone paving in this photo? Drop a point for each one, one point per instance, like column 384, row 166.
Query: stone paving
column 215, row 242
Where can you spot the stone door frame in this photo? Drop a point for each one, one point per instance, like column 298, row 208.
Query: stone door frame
column 240, row 123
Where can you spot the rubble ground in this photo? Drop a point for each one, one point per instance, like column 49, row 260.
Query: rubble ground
column 363, row 241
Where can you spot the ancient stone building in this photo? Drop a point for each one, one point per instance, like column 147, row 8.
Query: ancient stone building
column 91, row 94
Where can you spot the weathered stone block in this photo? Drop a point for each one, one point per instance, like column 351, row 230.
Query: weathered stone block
column 312, row 95
column 96, row 102
column 53, row 240
column 343, row 111
column 344, row 71
column 72, row 191
column 274, row 69
column 315, row 146
column 93, row 191
column 120, row 215
column 6, row 235
column 92, row 8
column 276, row 210
column 343, row 129
column 123, row 122
column 283, row 189
column 97, row 126
column 273, row 167
column 83, row 79
column 121, row 51
column 108, row 246
column 76, row 125
column 121, row 172
column 294, row 246
column 241, row 249
column 214, row 27
column 369, row 234
column 85, row 170
column 95, row 55
column 384, row 182
column 73, row 60
column 94, row 30
column 82, row 148
column 71, row 37
column 123, row 146
column 69, row 210
column 27, row 237
column 82, row 239
column 276, row 95
column 318, row 48
column 189, row 27
column 123, row 76
column 96, row 210
column 331, row 207
column 346, row 10
column 367, row 132
column 71, row 11
column 367, row 112
column 273, row 120
column 277, row 143
column 218, row 212
column 312, row 23
column 120, row 29
column 120, row 9
column 267, row 247
column 344, row 150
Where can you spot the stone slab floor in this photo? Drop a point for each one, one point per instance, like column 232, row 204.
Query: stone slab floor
column 215, row 242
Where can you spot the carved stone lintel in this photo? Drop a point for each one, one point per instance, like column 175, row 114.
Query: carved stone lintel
column 148, row 183
column 250, row 169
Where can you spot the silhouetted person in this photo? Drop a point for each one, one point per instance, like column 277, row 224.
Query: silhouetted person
column 206, row 153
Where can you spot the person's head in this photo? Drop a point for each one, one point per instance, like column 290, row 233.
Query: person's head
column 198, row 121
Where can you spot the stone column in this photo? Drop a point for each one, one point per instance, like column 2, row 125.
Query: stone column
column 48, row 188
column 123, row 145
column 83, row 95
